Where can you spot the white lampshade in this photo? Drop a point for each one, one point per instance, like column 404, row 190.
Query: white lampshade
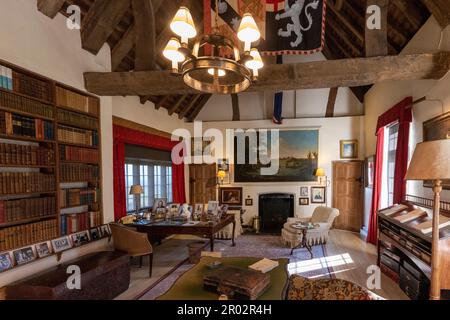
column 431, row 161
column 221, row 72
column 256, row 63
column 248, row 30
column 171, row 51
column 183, row 24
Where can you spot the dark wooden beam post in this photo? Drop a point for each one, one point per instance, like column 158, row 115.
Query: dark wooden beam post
column 376, row 39
column 50, row 7
column 188, row 108
column 145, row 35
column 177, row 104
column 440, row 10
column 122, row 48
column 235, row 105
column 331, row 102
column 100, row 22
column 161, row 102
column 191, row 117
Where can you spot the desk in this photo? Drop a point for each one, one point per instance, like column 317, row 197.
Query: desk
column 190, row 285
column 201, row 229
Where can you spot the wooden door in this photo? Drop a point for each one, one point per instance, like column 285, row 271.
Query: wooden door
column 348, row 194
column 202, row 183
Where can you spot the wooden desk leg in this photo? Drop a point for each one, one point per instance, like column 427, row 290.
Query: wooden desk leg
column 233, row 234
column 212, row 243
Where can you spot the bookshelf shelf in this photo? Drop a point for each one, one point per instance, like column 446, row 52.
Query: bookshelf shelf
column 47, row 101
column 25, row 221
column 79, row 206
column 26, row 114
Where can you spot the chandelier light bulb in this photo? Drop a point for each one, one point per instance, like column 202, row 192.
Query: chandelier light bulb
column 248, row 31
column 255, row 63
column 221, row 72
column 183, row 25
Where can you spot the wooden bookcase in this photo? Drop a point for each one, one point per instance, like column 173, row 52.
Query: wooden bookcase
column 75, row 118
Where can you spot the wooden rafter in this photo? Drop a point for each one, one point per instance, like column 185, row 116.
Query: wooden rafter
column 100, row 21
column 122, row 48
column 308, row 75
column 376, row 43
column 162, row 101
column 440, row 10
column 191, row 117
column 177, row 104
column 145, row 35
column 50, row 7
column 189, row 107
column 331, row 102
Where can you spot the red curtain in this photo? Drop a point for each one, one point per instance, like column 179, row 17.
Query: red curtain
column 401, row 113
column 122, row 136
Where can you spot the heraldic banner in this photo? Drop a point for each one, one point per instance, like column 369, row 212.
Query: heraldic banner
column 287, row 26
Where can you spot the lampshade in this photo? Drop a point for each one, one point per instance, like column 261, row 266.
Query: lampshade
column 222, row 72
column 183, row 24
column 136, row 189
column 248, row 30
column 256, row 63
column 320, row 172
column 431, row 161
column 171, row 51
column 221, row 174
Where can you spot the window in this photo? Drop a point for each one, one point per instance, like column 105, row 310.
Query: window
column 390, row 155
column 154, row 177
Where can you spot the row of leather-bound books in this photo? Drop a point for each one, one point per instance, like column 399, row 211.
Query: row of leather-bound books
column 22, row 209
column 26, row 182
column 77, row 119
column 23, row 104
column 78, row 172
column 77, row 136
column 77, row 197
column 22, row 235
column 70, row 153
column 16, row 154
column 69, row 99
column 18, row 125
column 72, row 223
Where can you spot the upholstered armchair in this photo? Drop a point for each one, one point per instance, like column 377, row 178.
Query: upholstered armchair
column 135, row 244
column 323, row 218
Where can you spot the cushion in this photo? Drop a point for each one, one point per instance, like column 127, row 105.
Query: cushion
column 324, row 214
column 301, row 288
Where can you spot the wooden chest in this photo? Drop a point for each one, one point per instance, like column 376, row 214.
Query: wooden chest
column 237, row 283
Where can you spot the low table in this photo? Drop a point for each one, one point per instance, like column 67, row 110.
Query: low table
column 190, row 285
column 304, row 243
column 201, row 229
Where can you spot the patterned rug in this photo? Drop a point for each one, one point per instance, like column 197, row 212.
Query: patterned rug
column 264, row 246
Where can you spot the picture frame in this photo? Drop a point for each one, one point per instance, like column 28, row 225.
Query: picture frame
column 303, row 201
column 198, row 208
column 24, row 255
column 174, row 208
column 318, row 195
column 95, row 234
column 249, row 202
column 80, row 238
column 304, row 192
column 6, row 261
column 369, row 171
column 61, row 244
column 43, row 250
column 437, row 128
column 223, row 164
column 105, row 231
column 159, row 205
column 349, row 149
column 231, row 196
column 213, row 208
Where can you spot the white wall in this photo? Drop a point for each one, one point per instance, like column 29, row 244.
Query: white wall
column 33, row 41
column 311, row 103
column 331, row 131
column 383, row 96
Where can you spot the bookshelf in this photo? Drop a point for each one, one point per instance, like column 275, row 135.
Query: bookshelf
column 50, row 159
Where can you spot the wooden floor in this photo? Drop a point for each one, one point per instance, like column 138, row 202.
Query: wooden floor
column 348, row 254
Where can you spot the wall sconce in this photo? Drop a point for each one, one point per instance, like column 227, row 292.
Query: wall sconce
column 221, row 175
column 323, row 179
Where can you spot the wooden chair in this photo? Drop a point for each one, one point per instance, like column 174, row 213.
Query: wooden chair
column 135, row 244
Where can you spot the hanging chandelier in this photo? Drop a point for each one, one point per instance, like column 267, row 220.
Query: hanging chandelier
column 225, row 70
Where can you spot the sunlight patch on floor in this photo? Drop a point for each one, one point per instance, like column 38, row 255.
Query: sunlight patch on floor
column 320, row 263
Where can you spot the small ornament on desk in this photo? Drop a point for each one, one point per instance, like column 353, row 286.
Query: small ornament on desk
column 223, row 297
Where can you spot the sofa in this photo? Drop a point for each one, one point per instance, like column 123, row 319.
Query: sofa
column 323, row 218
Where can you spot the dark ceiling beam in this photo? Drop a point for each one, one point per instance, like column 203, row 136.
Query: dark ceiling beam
column 145, row 35
column 50, row 7
column 331, row 102
column 376, row 43
column 189, row 107
column 122, row 48
column 161, row 102
column 411, row 13
column 307, row 75
column 235, row 106
column 440, row 9
column 100, row 21
column 177, row 104
column 356, row 51
column 191, row 117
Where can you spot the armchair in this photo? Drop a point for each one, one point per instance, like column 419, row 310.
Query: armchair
column 322, row 216
column 135, row 244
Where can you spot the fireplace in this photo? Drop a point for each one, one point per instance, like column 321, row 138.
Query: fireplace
column 274, row 210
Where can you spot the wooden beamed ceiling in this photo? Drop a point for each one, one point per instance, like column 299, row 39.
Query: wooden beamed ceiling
column 345, row 34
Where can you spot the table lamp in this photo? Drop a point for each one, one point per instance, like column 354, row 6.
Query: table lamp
column 137, row 190
column 431, row 162
column 320, row 173
column 221, row 174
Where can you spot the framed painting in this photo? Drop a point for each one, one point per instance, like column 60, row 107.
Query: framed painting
column 298, row 154
column 349, row 149
column 437, row 129
column 230, row 196
column 303, row 201
column 318, row 195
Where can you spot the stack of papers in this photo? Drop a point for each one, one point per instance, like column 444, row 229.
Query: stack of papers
column 394, row 209
column 427, row 226
column 413, row 215
column 265, row 265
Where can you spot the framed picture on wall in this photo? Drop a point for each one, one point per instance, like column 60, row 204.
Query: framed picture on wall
column 303, row 201
column 318, row 195
column 369, row 171
column 304, row 192
column 349, row 149
column 230, row 196
column 437, row 129
column 249, row 202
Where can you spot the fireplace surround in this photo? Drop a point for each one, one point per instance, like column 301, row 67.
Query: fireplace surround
column 274, row 210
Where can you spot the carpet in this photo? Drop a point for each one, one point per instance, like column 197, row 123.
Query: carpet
column 260, row 246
